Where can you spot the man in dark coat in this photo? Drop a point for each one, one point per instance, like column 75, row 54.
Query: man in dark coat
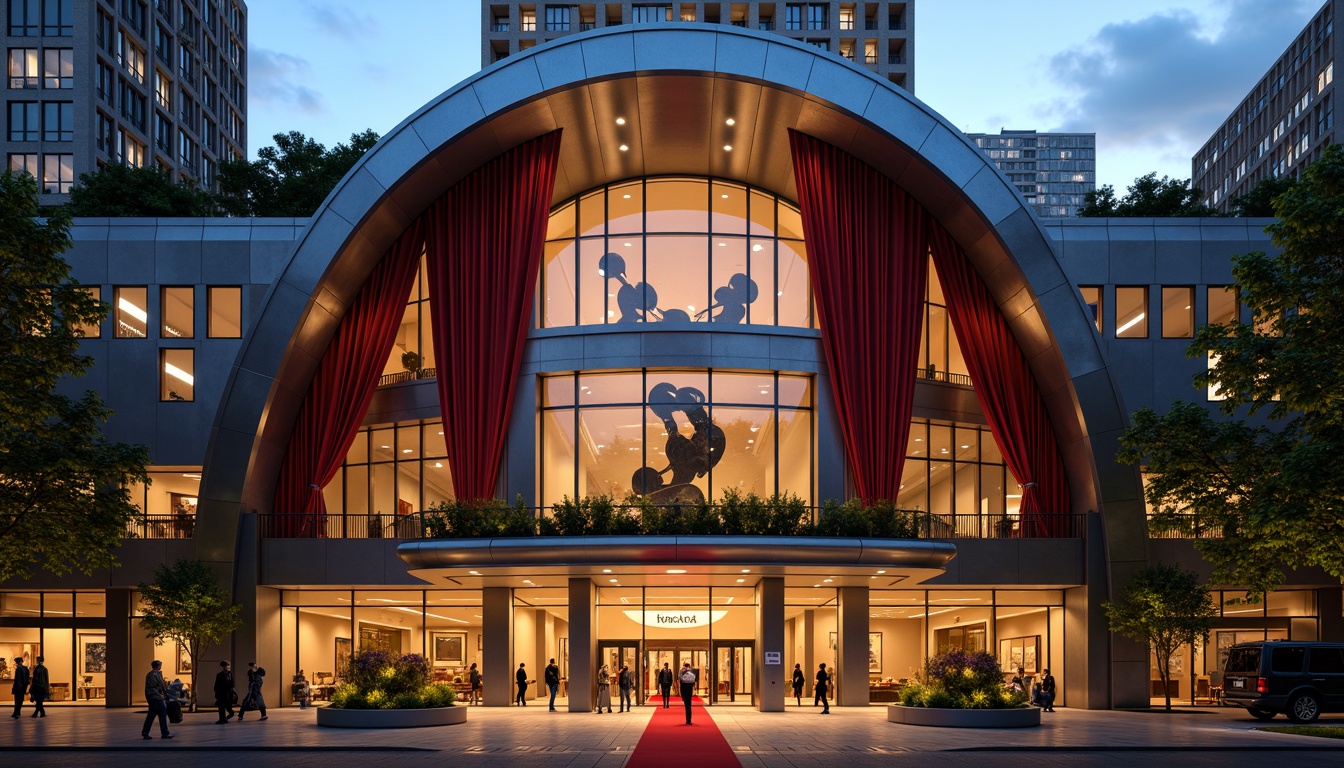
column 20, row 687
column 40, row 690
column 225, row 693
column 521, row 677
column 553, row 681
column 822, row 688
column 665, row 680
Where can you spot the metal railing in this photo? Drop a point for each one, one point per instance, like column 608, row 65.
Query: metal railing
column 922, row 524
column 161, row 527
column 404, row 376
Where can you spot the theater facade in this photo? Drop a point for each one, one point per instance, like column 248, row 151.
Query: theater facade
column 688, row 264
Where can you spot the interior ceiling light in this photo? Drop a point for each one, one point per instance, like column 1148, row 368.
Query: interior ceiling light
column 613, row 581
column 727, row 147
column 624, row 147
column 676, row 570
column 620, row 121
column 179, row 374
column 746, row 570
column 606, row 570
column 132, row 310
column 474, row 573
column 730, row 121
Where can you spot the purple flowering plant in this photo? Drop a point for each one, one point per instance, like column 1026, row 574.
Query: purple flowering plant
column 961, row 679
column 378, row 679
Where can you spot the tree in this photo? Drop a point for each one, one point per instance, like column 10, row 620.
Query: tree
column 121, row 190
column 64, row 498
column 1148, row 196
column 1260, row 200
column 291, row 178
column 1275, row 492
column 1164, row 607
column 186, row 605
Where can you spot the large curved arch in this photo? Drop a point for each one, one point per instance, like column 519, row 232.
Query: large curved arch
column 674, row 86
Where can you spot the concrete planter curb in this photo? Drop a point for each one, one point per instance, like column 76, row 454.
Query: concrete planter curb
column 390, row 718
column 1021, row 717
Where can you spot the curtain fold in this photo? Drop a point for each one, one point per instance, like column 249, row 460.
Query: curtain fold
column 867, row 246
column 1006, row 390
column 339, row 395
column 484, row 243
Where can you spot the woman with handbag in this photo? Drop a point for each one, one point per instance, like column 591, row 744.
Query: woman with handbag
column 254, row 698
column 603, row 689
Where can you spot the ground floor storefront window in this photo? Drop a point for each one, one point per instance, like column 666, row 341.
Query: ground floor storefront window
column 68, row 630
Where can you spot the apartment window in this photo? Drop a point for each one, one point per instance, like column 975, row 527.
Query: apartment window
column 23, row 163
column 226, row 312
column 105, row 136
column 818, row 16
column 132, row 151
column 163, row 92
column 131, row 310
column 22, row 67
column 177, row 308
column 846, row 18
column 528, row 21
column 133, row 11
column 186, row 152
column 650, row 14
column 1092, row 297
column 1223, row 305
column 1214, row 392
column 91, row 330
column 177, row 375
column 793, row 17
column 557, row 18
column 58, row 68
column 163, row 133
column 25, row 19
column 58, row 17
column 24, row 121
column 1131, row 312
column 105, row 83
column 1178, row 313
column 58, row 121
column 58, row 174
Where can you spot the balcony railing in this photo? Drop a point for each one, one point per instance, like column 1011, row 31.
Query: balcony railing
column 161, row 527
column 404, row 376
column 913, row 524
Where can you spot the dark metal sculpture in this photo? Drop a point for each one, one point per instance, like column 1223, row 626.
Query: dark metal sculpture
column 639, row 302
column 687, row 457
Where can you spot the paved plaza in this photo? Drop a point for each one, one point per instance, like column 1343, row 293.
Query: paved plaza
column 798, row 738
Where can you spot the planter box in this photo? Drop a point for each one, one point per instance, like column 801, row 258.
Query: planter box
column 1021, row 717
column 390, row 718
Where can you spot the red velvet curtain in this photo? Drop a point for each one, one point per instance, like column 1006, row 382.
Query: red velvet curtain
column 867, row 249
column 1006, row 389
column 484, row 241
column 339, row 395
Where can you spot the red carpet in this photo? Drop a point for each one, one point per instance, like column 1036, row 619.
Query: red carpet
column 669, row 742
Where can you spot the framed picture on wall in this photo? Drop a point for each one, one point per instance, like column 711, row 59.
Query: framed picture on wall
column 830, row 641
column 342, row 655
column 183, row 660
column 93, row 654
column 875, row 652
column 1021, row 652
column 564, row 657
column 449, row 648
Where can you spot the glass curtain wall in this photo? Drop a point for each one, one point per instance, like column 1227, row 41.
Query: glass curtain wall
column 391, row 472
column 957, row 471
column 68, row 630
column 811, row 634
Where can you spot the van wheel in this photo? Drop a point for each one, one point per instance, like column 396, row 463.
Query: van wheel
column 1304, row 708
column 1261, row 714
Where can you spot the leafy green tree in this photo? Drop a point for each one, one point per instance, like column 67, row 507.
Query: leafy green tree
column 291, row 178
column 1148, row 196
column 1275, row 494
column 121, row 190
column 1260, row 200
column 186, row 606
column 64, row 501
column 1164, row 607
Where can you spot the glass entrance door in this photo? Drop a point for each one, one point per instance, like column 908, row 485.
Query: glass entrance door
column 655, row 656
column 616, row 654
column 732, row 672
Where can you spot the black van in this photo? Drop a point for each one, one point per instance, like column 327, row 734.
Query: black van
column 1298, row 679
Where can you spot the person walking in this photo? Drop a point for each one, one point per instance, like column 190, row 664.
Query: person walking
column 1047, row 692
column 20, row 685
column 822, row 688
column 225, row 694
column 474, row 678
column 156, row 693
column 40, row 690
column 799, row 680
column 552, row 678
column 521, row 677
column 604, row 689
column 665, row 680
column 626, row 682
column 687, row 687
column 254, row 699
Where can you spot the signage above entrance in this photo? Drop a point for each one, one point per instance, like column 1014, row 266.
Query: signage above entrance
column 675, row 619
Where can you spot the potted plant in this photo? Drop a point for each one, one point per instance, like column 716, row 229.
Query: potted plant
column 411, row 361
column 382, row 690
column 960, row 689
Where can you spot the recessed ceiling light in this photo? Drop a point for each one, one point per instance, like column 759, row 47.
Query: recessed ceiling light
column 606, row 570
column 739, row 581
column 816, row 585
column 725, row 197
column 620, row 121
column 624, row 147
column 527, row 581
column 757, row 248
column 407, row 450
column 727, row 147
column 827, row 581
column 627, row 245
column 613, row 581
column 474, row 573
column 676, row 570
column 730, row 121
column 385, row 446
column 881, row 571
column 627, row 197
column 746, row 570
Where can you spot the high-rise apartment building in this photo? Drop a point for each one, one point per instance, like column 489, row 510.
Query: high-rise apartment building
column 1052, row 171
column 879, row 35
column 1284, row 123
column 142, row 82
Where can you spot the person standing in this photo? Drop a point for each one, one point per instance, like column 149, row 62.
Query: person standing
column 303, row 692
column 156, row 694
column 687, row 687
column 225, row 694
column 20, row 686
column 553, row 681
column 254, row 699
column 822, row 688
column 40, row 690
column 474, row 677
column 603, row 689
column 1048, row 692
column 626, row 682
column 665, row 679
column 799, row 680
column 521, row 677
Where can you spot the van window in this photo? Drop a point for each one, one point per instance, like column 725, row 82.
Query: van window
column 1243, row 661
column 1287, row 659
column 1326, row 661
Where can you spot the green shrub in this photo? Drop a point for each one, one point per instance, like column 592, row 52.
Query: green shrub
column 377, row 679
column 960, row 679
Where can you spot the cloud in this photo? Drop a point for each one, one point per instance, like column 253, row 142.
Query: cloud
column 277, row 80
column 340, row 21
column 1167, row 81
